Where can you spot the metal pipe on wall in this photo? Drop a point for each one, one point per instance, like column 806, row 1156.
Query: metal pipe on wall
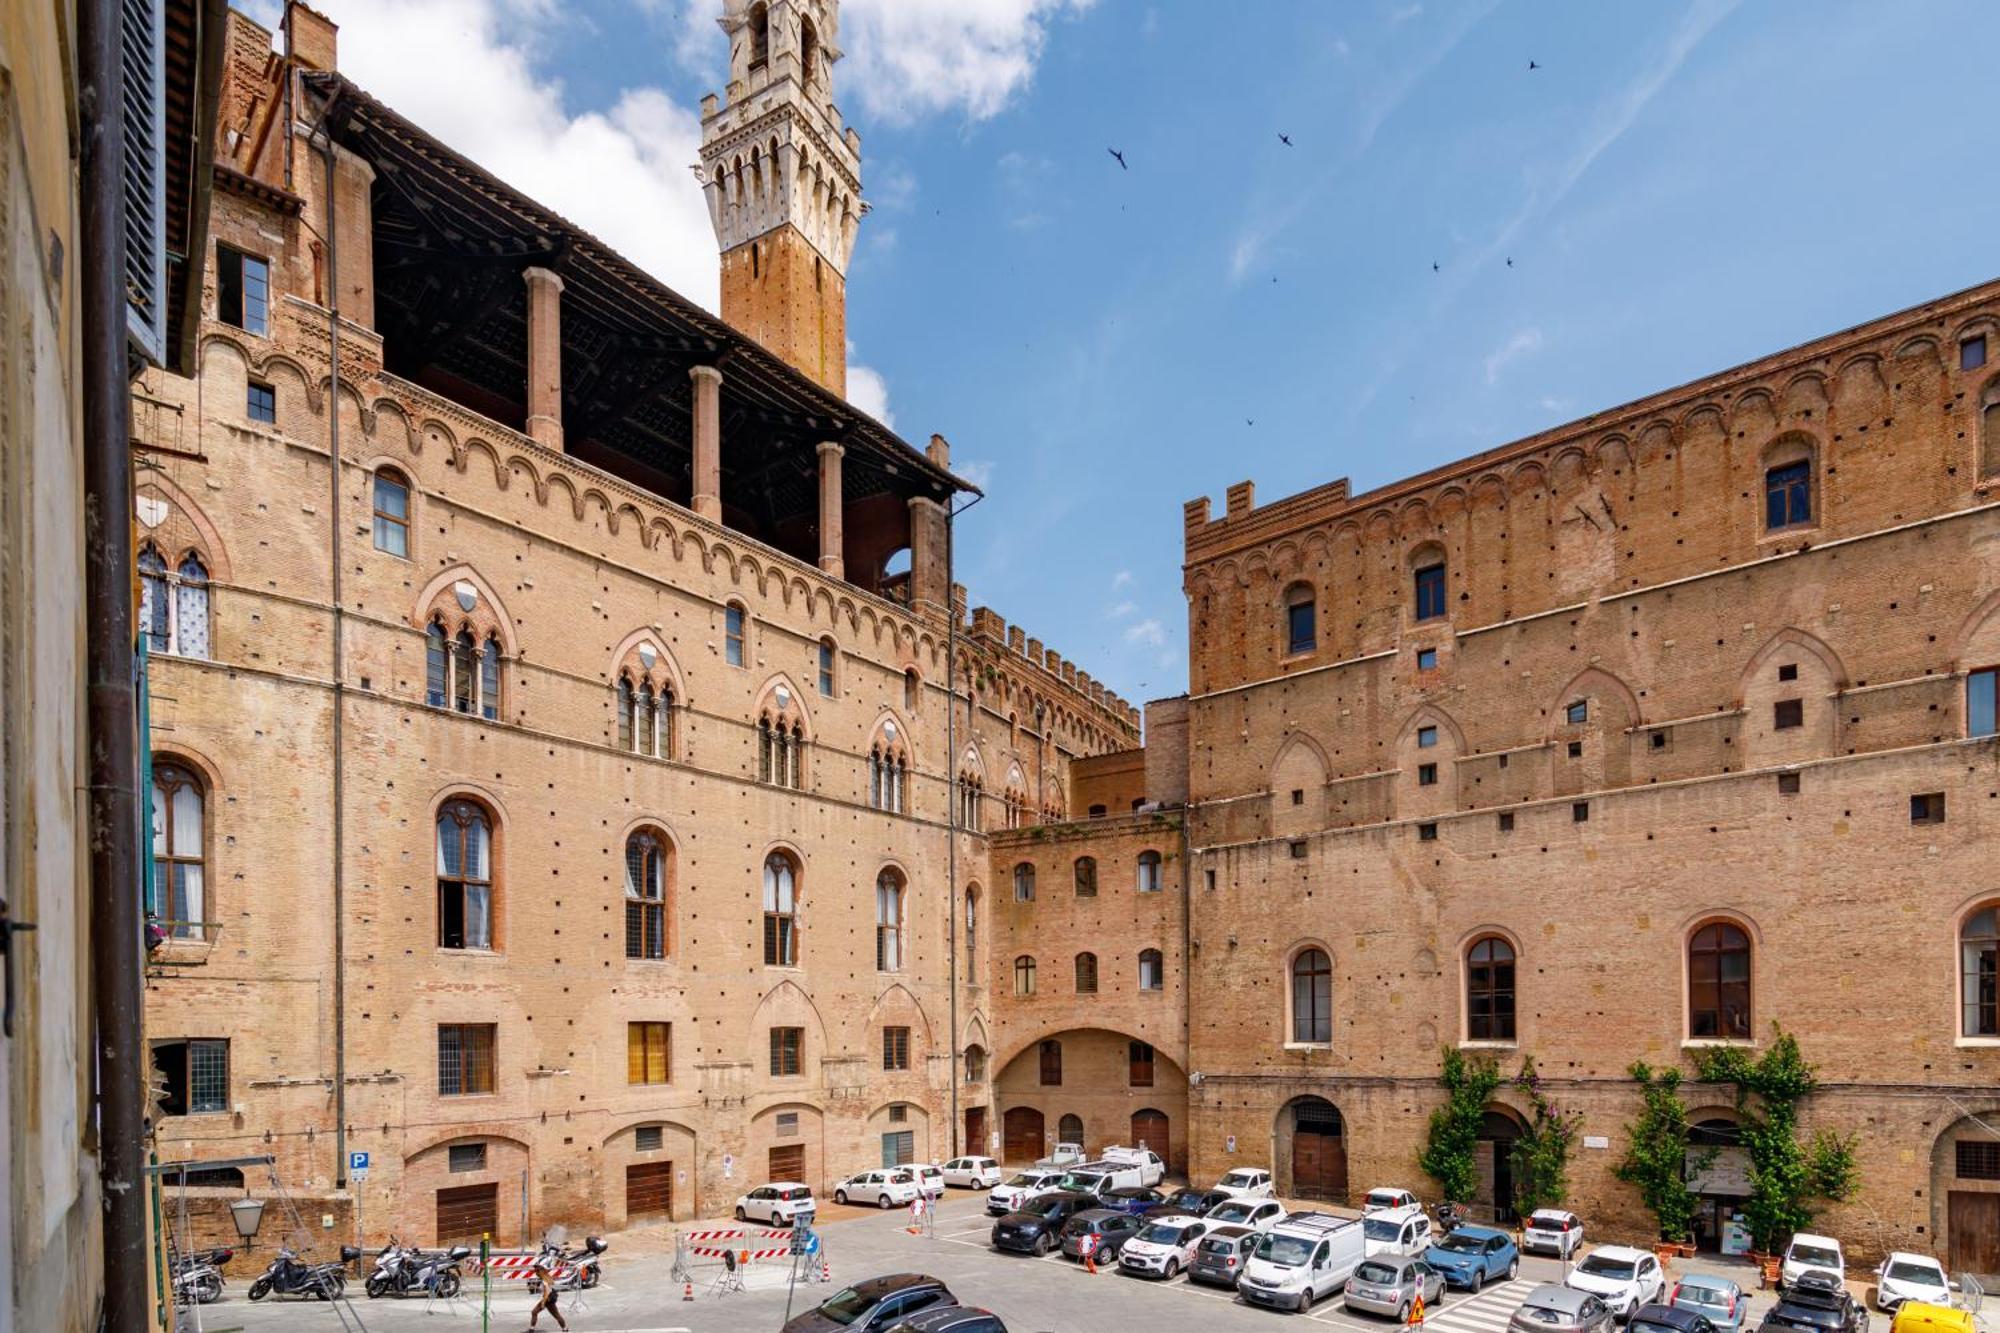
column 117, row 948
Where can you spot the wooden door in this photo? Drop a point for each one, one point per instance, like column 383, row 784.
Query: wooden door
column 1021, row 1128
column 975, row 1131
column 1974, row 1222
column 1319, row 1166
column 1149, row 1130
column 649, row 1190
column 789, row 1163
column 467, row 1212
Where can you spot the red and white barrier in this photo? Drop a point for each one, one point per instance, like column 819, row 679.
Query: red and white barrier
column 736, row 1233
column 515, row 1267
column 742, row 1256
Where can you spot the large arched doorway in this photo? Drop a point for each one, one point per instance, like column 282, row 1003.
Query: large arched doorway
column 1965, row 1194
column 1021, row 1130
column 1311, row 1150
column 1149, row 1130
column 1498, row 1130
column 1722, row 1185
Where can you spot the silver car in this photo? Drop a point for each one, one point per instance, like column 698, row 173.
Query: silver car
column 1716, row 1299
column 1390, row 1285
column 1553, row 1309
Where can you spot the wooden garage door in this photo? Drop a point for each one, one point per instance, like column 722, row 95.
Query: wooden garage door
column 467, row 1212
column 649, row 1190
column 1149, row 1130
column 1975, row 1232
column 789, row 1163
column 975, row 1130
column 1319, row 1166
column 1021, row 1129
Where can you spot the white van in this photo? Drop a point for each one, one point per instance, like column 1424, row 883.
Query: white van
column 1303, row 1258
column 1151, row 1169
column 1100, row 1178
column 1396, row 1233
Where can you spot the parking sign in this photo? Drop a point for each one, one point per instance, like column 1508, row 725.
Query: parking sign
column 357, row 1165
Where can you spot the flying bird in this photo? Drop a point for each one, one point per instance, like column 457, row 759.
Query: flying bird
column 1120, row 156
column 1510, row 261
column 1285, row 139
column 1434, row 267
column 1248, row 422
column 1533, row 66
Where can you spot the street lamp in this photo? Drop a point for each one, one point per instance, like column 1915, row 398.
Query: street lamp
column 248, row 1215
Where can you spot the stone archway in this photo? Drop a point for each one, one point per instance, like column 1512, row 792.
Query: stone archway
column 1120, row 1087
column 1498, row 1129
column 1965, row 1195
column 1311, row 1150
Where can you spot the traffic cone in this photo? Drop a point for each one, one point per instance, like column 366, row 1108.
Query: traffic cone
column 687, row 1290
column 1089, row 1258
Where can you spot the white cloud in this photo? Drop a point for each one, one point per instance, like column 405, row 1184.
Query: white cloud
column 1148, row 632
column 1122, row 579
column 1124, row 609
column 910, row 58
column 1523, row 343
column 1551, row 403
column 867, row 390
column 978, row 471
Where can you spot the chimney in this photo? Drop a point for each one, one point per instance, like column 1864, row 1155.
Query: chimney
column 310, row 37
column 940, row 451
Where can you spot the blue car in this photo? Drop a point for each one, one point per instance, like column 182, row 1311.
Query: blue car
column 1470, row 1256
column 1131, row 1199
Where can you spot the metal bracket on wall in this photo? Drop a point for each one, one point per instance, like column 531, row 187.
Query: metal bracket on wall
column 8, row 928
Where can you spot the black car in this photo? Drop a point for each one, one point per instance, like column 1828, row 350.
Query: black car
column 1661, row 1318
column 874, row 1305
column 1035, row 1226
column 1816, row 1303
column 1186, row 1202
column 952, row 1319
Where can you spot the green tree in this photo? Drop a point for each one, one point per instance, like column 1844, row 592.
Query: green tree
column 1450, row 1152
column 1541, row 1155
column 1656, row 1160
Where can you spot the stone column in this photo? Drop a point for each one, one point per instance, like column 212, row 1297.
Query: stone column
column 927, row 557
column 544, row 356
column 830, row 558
column 707, row 441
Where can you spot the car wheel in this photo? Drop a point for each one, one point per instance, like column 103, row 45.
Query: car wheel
column 1403, row 1315
column 1476, row 1281
column 741, row 1216
column 882, row 1201
column 1172, row 1270
column 1042, row 1246
column 840, row 1196
column 1513, row 1268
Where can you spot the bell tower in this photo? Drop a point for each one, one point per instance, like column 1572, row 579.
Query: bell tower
column 783, row 180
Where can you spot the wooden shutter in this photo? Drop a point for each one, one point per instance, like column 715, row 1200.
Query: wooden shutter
column 143, row 199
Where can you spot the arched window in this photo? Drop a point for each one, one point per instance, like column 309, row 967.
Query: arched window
column 970, row 804
column 1152, row 970
column 825, row 662
column 760, row 33
column 1429, row 584
column 642, row 720
column 180, row 876
column 191, row 608
column 462, row 657
column 808, row 51
column 888, row 922
column 1086, row 877
column 1979, row 972
column 1086, row 974
column 489, row 678
column 971, row 928
column 628, row 707
column 1069, row 1129
column 392, row 513
column 645, row 896
column 1719, row 981
column 1489, row 990
column 1788, row 488
column 437, row 665
column 1301, row 619
column 1149, row 872
column 1024, row 975
column 155, row 601
column 464, row 877
column 173, row 606
column 975, row 1065
column 734, row 633
column 780, row 748
column 781, row 905
column 1312, row 997
column 1024, row 883
column 1050, row 1053
column 912, row 690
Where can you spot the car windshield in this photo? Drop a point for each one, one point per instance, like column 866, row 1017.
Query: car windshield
column 1163, row 1233
column 1695, row 1293
column 1904, row 1271
column 1815, row 1254
column 1284, row 1251
column 1459, row 1243
column 1082, row 1184
column 1240, row 1178
column 1024, row 1181
column 1233, row 1212
column 1043, row 1206
column 1376, row 1229
column 1377, row 1273
column 847, row 1306
column 1599, row 1265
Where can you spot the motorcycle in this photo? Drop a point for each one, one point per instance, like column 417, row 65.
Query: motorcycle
column 198, row 1276
column 289, row 1276
column 1450, row 1217
column 437, row 1272
column 400, row 1269
column 392, row 1270
column 574, row 1270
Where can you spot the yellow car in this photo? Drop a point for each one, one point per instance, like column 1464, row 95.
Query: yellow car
column 1919, row 1317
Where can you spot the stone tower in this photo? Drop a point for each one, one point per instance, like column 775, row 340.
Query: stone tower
column 783, row 179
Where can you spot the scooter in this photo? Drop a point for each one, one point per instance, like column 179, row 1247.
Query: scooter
column 288, row 1276
column 576, row 1271
column 392, row 1270
column 1450, row 1217
column 437, row 1273
column 196, row 1283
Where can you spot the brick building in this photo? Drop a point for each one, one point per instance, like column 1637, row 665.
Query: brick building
column 1635, row 737
column 565, row 800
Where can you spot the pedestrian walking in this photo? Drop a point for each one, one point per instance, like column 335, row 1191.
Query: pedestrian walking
column 546, row 1264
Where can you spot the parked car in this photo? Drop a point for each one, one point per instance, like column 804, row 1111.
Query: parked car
column 1816, row 1301
column 889, row 1187
column 1552, row 1231
column 1393, row 1286
column 973, row 1173
column 1303, row 1258
column 1722, row 1302
column 780, row 1205
column 1553, row 1309
column 1101, row 1177
column 1923, row 1317
column 1622, row 1277
column 930, row 1179
column 1658, row 1318
column 1187, row 1200
column 1103, row 1231
column 1247, row 1182
column 1163, row 1248
column 1256, row 1214
column 872, row 1305
column 1910, row 1277
column 1811, row 1254
column 1024, row 1186
column 1472, row 1256
column 1151, row 1169
column 1134, row 1199
column 951, row 1319
column 1402, row 1232
column 1383, row 1198
column 1036, row 1226
column 1220, row 1257
column 1066, row 1155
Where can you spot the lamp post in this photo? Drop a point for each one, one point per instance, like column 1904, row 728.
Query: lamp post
column 248, row 1214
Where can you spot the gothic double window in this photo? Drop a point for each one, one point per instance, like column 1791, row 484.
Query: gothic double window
column 173, row 603
column 781, row 744
column 462, row 672
column 888, row 771
column 970, row 792
column 645, row 716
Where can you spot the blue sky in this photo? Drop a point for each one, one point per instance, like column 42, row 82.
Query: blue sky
column 1680, row 187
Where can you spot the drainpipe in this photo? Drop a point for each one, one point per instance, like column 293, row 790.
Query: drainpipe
column 951, row 805
column 117, row 955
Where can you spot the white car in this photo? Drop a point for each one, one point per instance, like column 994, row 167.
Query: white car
column 1163, row 1247
column 1255, row 1214
column 1552, row 1230
column 780, row 1204
column 1151, row 1169
column 1623, row 1278
column 1910, row 1277
column 1382, row 1198
column 930, row 1179
column 1025, row 1185
column 1401, row 1233
column 1812, row 1254
column 973, row 1173
column 1247, row 1182
column 890, row 1187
